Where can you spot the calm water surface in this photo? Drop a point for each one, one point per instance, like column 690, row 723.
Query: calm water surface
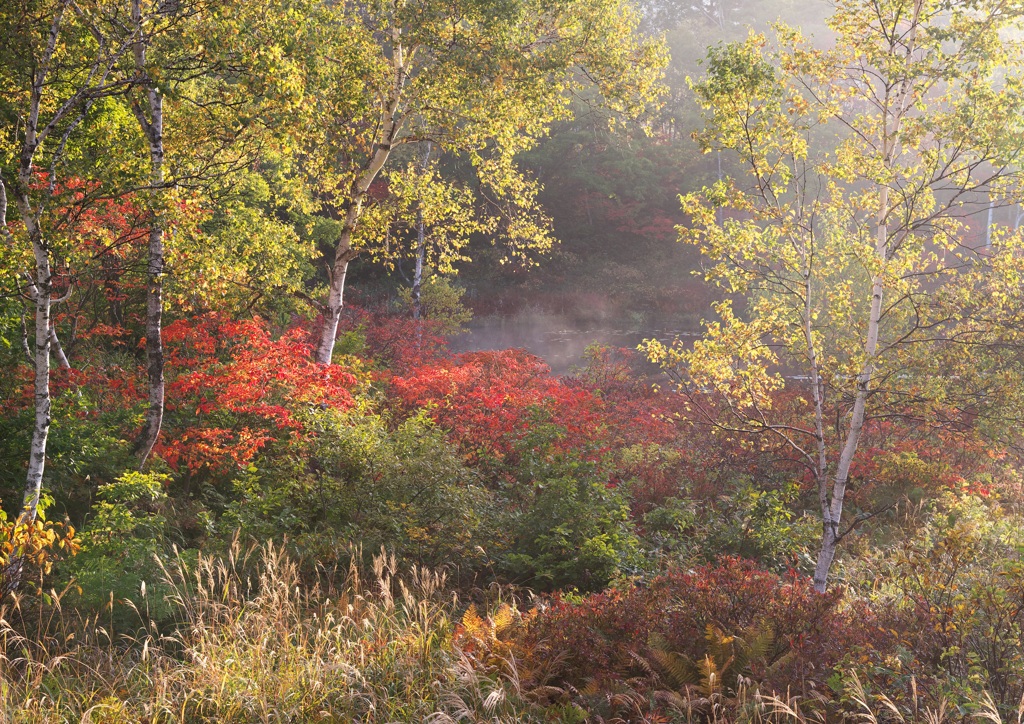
column 557, row 339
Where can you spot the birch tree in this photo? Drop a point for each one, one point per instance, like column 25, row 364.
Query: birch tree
column 473, row 78
column 426, row 217
column 849, row 235
column 57, row 64
column 149, row 112
column 207, row 86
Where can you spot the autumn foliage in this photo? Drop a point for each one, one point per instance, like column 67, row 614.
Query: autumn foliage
column 235, row 387
column 609, row 635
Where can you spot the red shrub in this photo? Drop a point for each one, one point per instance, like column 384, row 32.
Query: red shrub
column 396, row 341
column 607, row 634
column 233, row 388
column 489, row 400
column 600, row 635
column 736, row 597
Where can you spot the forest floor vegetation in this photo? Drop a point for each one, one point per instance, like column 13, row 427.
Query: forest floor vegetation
column 531, row 548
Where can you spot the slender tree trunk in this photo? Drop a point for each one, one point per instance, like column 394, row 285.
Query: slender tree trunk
column 988, row 222
column 821, row 464
column 718, row 211
column 41, row 395
column 832, row 513
column 895, row 107
column 153, row 128
column 417, row 275
column 39, row 355
column 154, row 346
column 344, row 253
column 39, row 290
column 58, row 350
column 421, row 253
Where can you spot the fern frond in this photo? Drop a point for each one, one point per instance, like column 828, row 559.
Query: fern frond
column 680, row 670
column 644, row 664
column 474, row 626
column 711, row 676
column 672, row 699
column 757, row 643
column 503, row 619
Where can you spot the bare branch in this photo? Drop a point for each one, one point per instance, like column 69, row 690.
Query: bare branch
column 864, row 517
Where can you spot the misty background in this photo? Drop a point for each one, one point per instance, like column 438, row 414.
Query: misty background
column 617, row 275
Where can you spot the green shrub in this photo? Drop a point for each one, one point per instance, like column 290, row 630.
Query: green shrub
column 353, row 479
column 124, row 542
column 575, row 531
column 576, row 534
column 762, row 525
column 441, row 302
column 747, row 521
column 86, row 444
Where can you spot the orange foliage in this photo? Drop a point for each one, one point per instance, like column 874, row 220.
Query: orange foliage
column 235, row 387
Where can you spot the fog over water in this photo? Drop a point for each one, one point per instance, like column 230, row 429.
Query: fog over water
column 560, row 340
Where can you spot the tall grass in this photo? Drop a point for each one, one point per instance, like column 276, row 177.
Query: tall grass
column 749, row 706
column 254, row 642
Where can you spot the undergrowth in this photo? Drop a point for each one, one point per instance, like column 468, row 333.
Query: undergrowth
column 254, row 641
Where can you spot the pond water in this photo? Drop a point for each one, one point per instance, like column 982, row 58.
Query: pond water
column 557, row 339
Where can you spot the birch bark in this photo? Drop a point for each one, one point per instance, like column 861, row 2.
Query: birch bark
column 345, row 252
column 421, row 253
column 894, row 109
column 832, row 511
column 39, row 291
column 152, row 127
column 65, row 114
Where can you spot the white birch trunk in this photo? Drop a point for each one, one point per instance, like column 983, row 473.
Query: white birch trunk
column 58, row 350
column 417, row 275
column 153, row 128
column 832, row 511
column 41, row 392
column 40, row 292
column 421, row 254
column 344, row 253
column 41, row 424
column 39, row 355
column 895, row 108
column 821, row 464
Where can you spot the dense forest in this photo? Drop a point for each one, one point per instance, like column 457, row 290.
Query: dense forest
column 262, row 459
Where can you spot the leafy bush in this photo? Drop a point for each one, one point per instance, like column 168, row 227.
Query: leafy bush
column 395, row 343
column 761, row 525
column 575, row 533
column 125, row 543
column 607, row 636
column 571, row 528
column 441, row 302
column 489, row 401
column 87, row 442
column 954, row 590
column 236, row 388
column 353, row 479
